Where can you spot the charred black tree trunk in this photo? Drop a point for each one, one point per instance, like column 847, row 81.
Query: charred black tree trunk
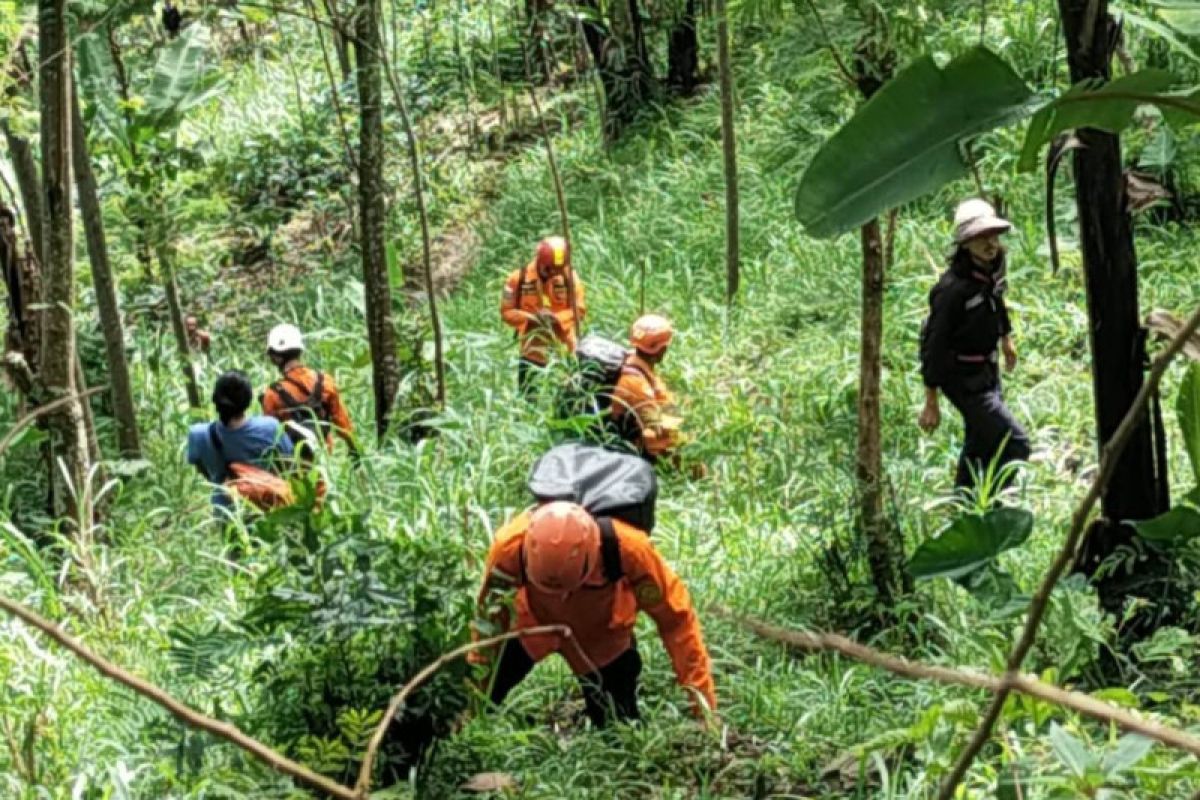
column 1138, row 489
column 618, row 47
column 683, row 53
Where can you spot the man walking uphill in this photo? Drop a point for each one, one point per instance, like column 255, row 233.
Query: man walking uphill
column 306, row 400
column 592, row 575
column 538, row 304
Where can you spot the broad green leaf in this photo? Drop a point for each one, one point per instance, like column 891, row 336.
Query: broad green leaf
column 1071, row 752
column 98, row 86
column 1130, row 749
column 1187, row 406
column 970, row 542
column 1107, row 107
column 1118, row 696
column 905, row 140
column 1180, row 524
column 183, row 78
column 1161, row 29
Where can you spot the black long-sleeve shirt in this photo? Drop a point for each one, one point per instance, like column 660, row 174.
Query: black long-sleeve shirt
column 967, row 318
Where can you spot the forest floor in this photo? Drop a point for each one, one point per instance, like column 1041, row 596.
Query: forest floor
column 769, row 391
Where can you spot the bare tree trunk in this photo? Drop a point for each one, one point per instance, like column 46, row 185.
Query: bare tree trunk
column 68, row 438
column 29, row 184
column 1138, row 489
column 107, row 297
column 414, row 157
column 884, row 554
column 683, row 50
column 381, row 334
column 166, row 265
column 873, row 67
column 89, row 419
column 729, row 149
column 340, row 40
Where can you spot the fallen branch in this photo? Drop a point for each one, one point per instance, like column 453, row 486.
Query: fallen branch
column 183, row 713
column 916, row 670
column 40, row 411
column 363, row 785
column 1037, row 607
column 1167, row 326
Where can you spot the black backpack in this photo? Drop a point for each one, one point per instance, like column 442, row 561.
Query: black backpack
column 609, row 485
column 588, row 391
column 309, row 414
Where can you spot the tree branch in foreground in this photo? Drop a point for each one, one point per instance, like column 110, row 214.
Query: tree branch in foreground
column 183, row 713
column 1037, row 607
column 32, row 416
column 916, row 670
column 363, row 786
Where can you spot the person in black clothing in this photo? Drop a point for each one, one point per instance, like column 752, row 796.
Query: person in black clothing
column 968, row 322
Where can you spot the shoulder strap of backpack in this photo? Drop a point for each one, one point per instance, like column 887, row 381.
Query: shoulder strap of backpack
column 316, row 400
column 636, row 370
column 610, row 550
column 284, row 395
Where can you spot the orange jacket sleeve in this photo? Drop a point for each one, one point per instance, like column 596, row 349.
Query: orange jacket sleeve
column 337, row 410
column 502, row 574
column 510, row 303
column 272, row 405
column 662, row 595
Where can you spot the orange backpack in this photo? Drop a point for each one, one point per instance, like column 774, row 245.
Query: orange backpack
column 262, row 489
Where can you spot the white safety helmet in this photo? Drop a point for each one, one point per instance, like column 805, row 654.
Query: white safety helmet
column 284, row 338
column 975, row 218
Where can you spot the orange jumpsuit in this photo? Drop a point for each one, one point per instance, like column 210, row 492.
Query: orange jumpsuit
column 538, row 295
column 601, row 614
column 299, row 382
column 640, row 392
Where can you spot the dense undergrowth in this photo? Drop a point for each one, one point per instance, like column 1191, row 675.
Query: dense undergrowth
column 298, row 629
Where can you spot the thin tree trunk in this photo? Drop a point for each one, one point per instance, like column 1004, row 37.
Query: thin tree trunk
column 1138, row 489
column 381, row 334
column 340, row 42
column 883, row 553
column 729, row 149
column 29, row 184
column 68, row 438
column 683, row 50
column 166, row 266
column 414, row 156
column 89, row 419
column 496, row 65
column 107, row 296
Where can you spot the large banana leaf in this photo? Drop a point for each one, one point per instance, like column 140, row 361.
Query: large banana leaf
column 1107, row 107
column 98, row 87
column 183, row 78
column 1182, row 15
column 905, row 140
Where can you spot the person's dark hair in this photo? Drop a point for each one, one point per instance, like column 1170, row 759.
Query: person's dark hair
column 286, row 356
column 232, row 395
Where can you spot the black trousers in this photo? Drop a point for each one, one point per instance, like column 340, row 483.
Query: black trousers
column 987, row 422
column 608, row 693
column 527, row 373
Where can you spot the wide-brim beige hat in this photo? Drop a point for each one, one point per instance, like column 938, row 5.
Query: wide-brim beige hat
column 974, row 218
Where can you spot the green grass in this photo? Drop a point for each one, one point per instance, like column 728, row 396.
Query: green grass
column 769, row 392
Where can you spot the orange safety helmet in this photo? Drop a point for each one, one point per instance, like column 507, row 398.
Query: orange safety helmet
column 553, row 253
column 562, row 546
column 651, row 334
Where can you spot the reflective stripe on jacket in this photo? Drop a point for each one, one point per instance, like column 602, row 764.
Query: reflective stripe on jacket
column 538, row 295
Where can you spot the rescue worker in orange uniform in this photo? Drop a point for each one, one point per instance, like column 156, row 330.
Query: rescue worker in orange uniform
column 566, row 569
column 538, row 305
column 643, row 409
column 306, row 400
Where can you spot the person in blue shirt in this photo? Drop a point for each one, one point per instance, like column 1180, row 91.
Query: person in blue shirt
column 256, row 440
